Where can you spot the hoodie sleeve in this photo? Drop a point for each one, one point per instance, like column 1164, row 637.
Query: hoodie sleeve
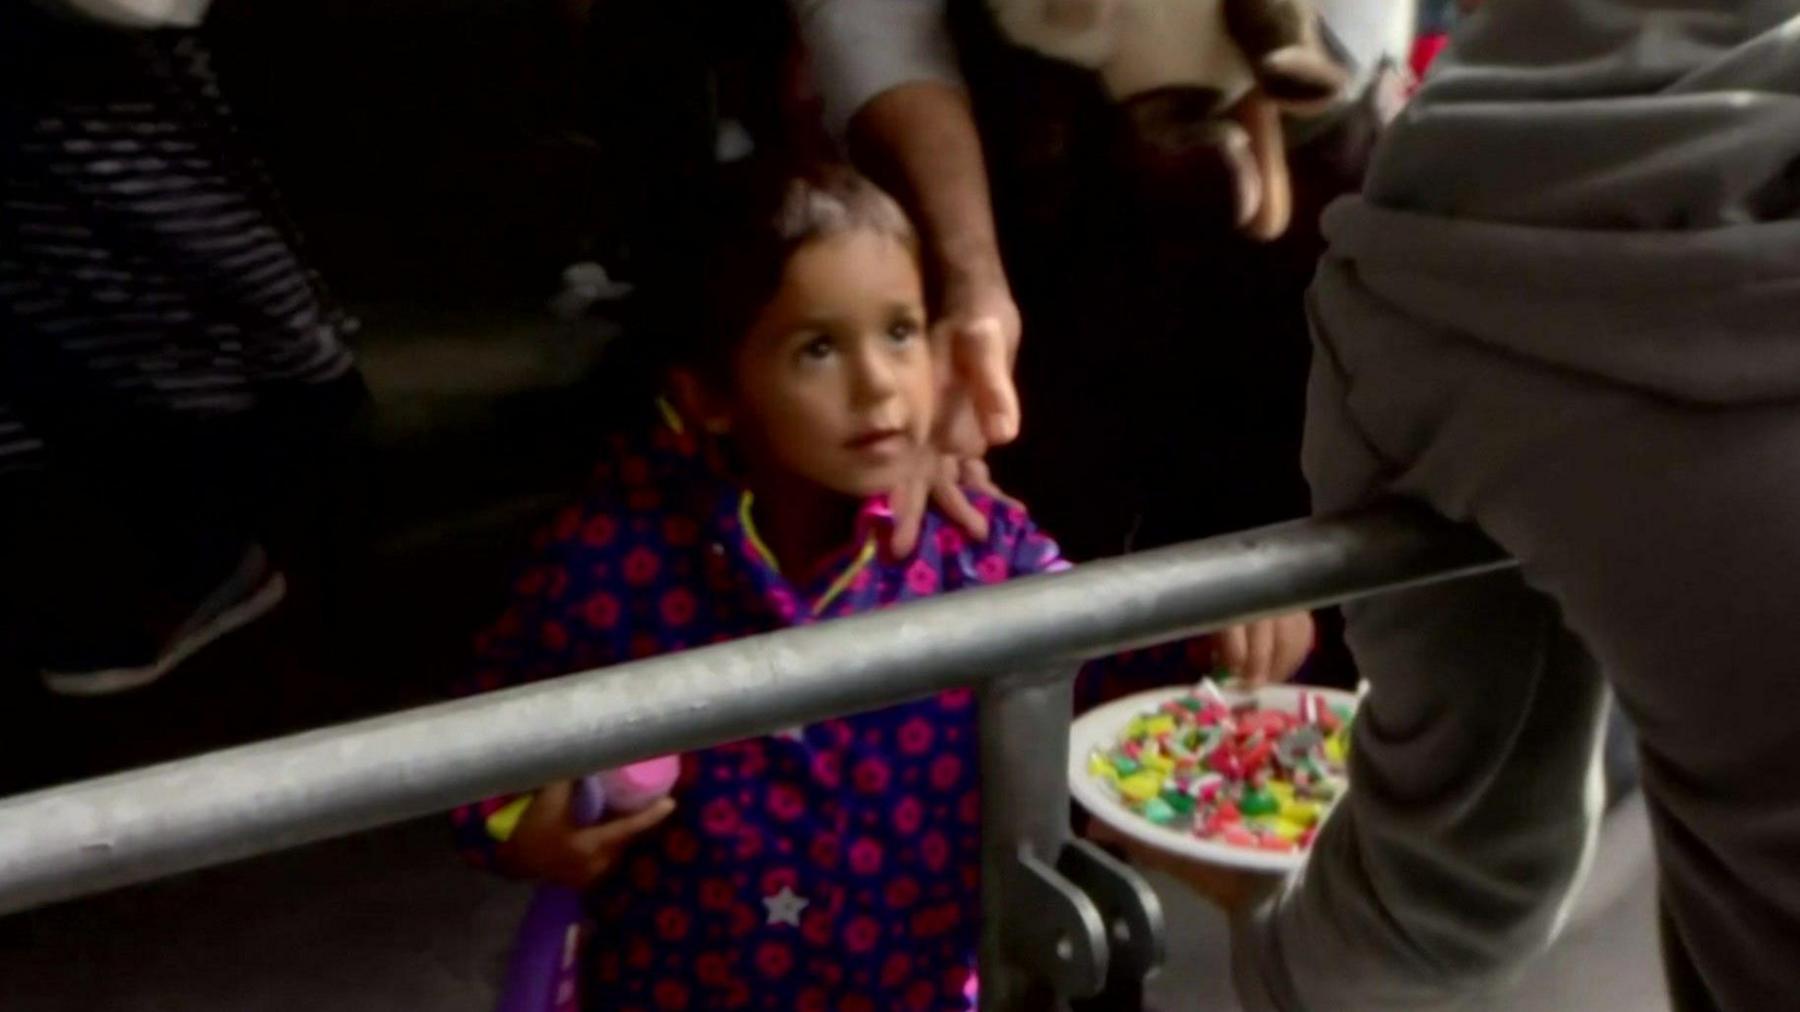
column 861, row 48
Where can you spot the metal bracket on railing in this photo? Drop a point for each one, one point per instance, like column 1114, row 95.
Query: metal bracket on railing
column 1130, row 908
column 1053, row 931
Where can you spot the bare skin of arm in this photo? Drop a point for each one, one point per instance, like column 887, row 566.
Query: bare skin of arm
column 919, row 141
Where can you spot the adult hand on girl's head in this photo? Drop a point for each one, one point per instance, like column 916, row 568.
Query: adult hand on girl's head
column 548, row 846
column 978, row 336
column 943, row 479
column 977, row 341
column 1268, row 649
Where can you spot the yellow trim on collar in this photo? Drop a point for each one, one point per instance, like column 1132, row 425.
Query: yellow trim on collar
column 747, row 520
column 505, row 821
column 842, row 583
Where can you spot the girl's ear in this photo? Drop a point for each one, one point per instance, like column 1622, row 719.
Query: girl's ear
column 699, row 403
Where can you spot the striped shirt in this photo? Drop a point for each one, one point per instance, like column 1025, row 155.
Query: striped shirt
column 145, row 263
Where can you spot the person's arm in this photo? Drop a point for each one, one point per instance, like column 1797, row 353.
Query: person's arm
column 919, row 140
column 528, row 642
column 139, row 14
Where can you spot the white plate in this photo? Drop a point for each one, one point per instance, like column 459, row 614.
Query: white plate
column 1100, row 727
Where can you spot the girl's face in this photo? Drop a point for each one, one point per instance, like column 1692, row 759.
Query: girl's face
column 834, row 382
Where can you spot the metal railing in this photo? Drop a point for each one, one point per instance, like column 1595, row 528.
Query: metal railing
column 1061, row 917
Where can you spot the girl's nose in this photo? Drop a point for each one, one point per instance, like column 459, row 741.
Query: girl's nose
column 872, row 377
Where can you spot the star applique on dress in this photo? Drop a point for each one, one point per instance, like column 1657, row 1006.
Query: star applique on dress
column 785, row 906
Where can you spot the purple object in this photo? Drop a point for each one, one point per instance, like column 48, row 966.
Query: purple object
column 544, row 974
column 589, row 803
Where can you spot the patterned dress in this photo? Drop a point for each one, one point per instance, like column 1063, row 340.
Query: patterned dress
column 832, row 866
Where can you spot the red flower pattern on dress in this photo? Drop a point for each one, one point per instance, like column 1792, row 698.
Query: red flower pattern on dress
column 680, row 531
column 670, row 994
column 774, row 959
column 601, row 611
column 915, row 736
column 681, row 844
column 872, row 819
column 828, row 768
column 871, row 776
column 922, row 579
column 679, row 607
column 902, row 893
column 786, row 802
column 719, row 817
column 946, row 772
column 567, row 524
column 641, row 567
column 824, row 851
column 600, row 531
column 712, row 969
column 865, row 857
column 672, row 924
column 816, row 927
column 934, row 850
column 991, row 569
column 861, row 934
column 717, row 894
column 909, row 814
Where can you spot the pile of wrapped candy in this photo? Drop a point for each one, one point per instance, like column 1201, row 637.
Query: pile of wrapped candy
column 1236, row 774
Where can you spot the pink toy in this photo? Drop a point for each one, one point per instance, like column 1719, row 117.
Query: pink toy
column 625, row 790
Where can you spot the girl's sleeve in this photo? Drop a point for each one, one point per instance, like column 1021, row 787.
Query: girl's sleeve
column 556, row 621
column 1016, row 538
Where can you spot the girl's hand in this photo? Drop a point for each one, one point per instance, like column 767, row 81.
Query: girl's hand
column 1268, row 649
column 547, row 845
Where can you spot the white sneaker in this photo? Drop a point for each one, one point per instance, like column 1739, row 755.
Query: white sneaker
column 253, row 590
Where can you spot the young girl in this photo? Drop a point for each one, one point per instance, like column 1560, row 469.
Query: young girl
column 833, row 866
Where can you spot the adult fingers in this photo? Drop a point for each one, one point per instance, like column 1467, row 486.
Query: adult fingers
column 975, row 475
column 1232, row 647
column 1293, row 645
column 1260, row 665
column 984, row 358
column 1261, row 119
column 958, row 431
column 908, row 502
column 954, row 502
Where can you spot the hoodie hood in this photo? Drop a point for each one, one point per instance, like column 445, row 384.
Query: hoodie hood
column 1605, row 186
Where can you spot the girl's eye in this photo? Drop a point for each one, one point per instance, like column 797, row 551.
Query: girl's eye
column 816, row 349
column 903, row 330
